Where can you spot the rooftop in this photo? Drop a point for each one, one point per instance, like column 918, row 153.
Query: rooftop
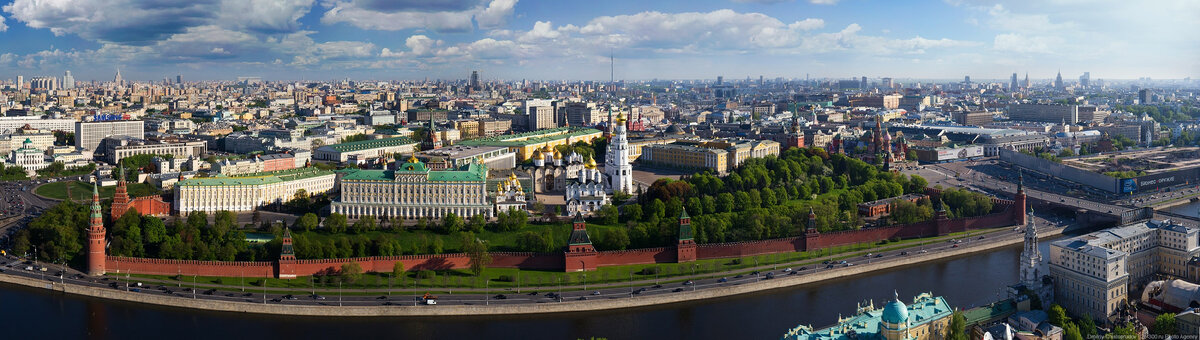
column 258, row 178
column 532, row 137
column 370, row 144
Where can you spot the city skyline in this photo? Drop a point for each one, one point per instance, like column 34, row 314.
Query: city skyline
column 512, row 40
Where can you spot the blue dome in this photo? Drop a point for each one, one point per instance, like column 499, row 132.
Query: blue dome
column 895, row 312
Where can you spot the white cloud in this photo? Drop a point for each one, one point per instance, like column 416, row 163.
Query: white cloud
column 3, row 27
column 144, row 22
column 402, row 15
column 765, row 2
column 1013, row 42
column 823, row 2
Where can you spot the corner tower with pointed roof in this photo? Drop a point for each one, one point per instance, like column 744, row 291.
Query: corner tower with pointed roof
column 580, row 255
column 96, row 235
column 1020, row 216
column 685, row 247
column 287, row 257
column 120, row 202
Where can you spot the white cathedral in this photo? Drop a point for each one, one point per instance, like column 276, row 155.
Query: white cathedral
column 585, row 188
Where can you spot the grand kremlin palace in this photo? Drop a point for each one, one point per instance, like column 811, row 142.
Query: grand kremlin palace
column 414, row 191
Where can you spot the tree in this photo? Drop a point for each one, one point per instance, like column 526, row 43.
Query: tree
column 477, row 222
column 1164, row 324
column 336, row 223
column 397, row 269
column 632, row 212
column 1071, row 332
column 477, row 252
column 1087, row 326
column 307, row 222
column 957, row 330
column 351, row 272
column 364, row 224
column 1126, row 332
column 1057, row 315
column 613, row 239
column 532, row 242
column 608, row 214
column 451, row 223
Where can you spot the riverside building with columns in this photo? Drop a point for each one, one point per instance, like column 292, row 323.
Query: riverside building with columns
column 248, row 192
column 413, row 190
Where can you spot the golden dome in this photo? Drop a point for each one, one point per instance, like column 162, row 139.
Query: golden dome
column 591, row 163
column 557, row 154
column 499, row 187
column 413, row 159
column 621, row 118
column 546, row 149
column 537, row 154
column 512, row 176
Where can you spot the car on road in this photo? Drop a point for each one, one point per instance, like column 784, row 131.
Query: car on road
column 787, row 270
column 770, row 275
column 317, row 297
column 829, row 266
column 596, row 293
column 533, row 293
column 582, row 298
column 656, row 286
column 878, row 255
column 688, row 283
column 677, row 290
column 290, row 297
column 500, row 297
column 722, row 280
column 847, row 264
column 738, row 276
column 954, row 246
column 210, row 292
column 980, row 238
column 639, row 290
column 276, row 300
column 903, row 253
column 135, row 290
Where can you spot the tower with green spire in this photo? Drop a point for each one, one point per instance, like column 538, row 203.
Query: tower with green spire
column 581, row 255
column 685, row 247
column 96, row 256
column 287, row 257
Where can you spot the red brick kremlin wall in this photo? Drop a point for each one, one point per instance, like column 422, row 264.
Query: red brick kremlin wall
column 555, row 261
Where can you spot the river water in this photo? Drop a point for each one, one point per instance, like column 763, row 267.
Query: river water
column 964, row 282
column 1190, row 209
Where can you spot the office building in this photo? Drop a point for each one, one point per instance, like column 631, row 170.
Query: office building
column 1097, row 273
column 972, row 118
column 361, row 150
column 540, row 113
column 721, row 155
column 119, row 147
column 88, row 135
column 43, row 84
column 1145, row 96
column 1047, row 113
column 1014, row 86
column 1085, row 80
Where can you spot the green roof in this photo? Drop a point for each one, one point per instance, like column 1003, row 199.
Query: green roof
column 532, row 137
column 370, row 144
column 997, row 310
column 258, row 178
column 472, row 172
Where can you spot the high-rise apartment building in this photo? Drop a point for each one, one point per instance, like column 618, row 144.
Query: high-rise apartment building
column 43, row 83
column 1085, row 80
column 475, row 81
column 1014, row 86
column 68, row 81
column 1145, row 96
column 20, row 82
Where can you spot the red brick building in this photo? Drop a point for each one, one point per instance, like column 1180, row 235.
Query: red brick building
column 884, row 206
column 149, row 205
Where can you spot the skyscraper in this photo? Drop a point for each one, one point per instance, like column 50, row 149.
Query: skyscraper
column 179, row 79
column 1086, row 79
column 887, row 83
column 68, row 81
column 1145, row 96
column 118, row 80
column 720, row 79
column 20, row 82
column 1014, row 86
column 967, row 79
column 1058, row 83
column 1026, row 83
column 475, row 81
column 863, row 84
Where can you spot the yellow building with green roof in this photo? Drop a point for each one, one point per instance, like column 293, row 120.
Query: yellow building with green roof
column 250, row 191
column 413, row 190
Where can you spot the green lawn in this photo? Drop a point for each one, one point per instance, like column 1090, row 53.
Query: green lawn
column 83, row 191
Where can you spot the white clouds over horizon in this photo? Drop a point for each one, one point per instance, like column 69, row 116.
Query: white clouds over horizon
column 519, row 39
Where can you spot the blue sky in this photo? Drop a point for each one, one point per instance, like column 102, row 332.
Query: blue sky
column 535, row 39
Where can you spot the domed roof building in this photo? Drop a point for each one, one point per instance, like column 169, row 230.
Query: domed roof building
column 927, row 318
